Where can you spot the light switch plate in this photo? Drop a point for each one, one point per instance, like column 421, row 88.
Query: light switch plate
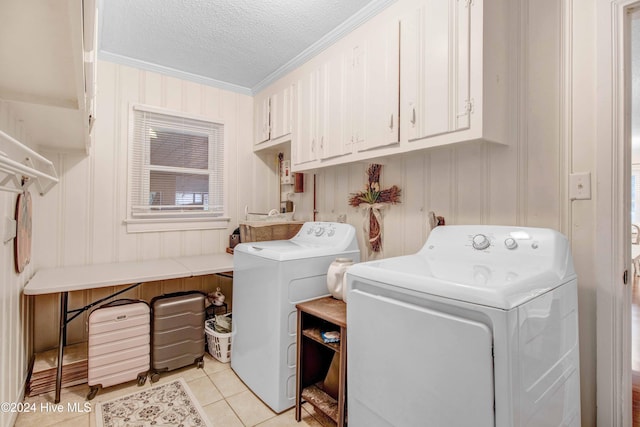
column 580, row 186
column 9, row 230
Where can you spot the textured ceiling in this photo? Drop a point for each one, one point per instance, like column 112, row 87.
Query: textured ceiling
column 239, row 42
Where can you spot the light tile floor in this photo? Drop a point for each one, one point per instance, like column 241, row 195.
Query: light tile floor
column 223, row 396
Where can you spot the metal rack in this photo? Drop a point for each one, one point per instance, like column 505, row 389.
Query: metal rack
column 20, row 167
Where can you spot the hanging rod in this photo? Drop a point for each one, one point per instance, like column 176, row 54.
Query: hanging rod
column 25, row 168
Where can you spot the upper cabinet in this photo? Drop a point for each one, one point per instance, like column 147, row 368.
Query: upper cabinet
column 420, row 74
column 262, row 128
column 454, row 72
column 376, row 70
column 349, row 102
column 435, row 68
column 47, row 51
column 309, row 117
column 336, row 141
column 273, row 111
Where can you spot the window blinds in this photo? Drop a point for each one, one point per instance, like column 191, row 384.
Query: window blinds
column 176, row 166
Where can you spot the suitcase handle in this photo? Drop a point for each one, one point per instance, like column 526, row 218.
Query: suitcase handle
column 122, row 301
column 176, row 294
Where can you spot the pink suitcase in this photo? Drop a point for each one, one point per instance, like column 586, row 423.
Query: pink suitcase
column 119, row 344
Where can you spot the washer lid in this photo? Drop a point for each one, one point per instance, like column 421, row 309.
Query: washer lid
column 315, row 239
column 501, row 274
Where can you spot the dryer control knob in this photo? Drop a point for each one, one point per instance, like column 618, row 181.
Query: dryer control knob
column 480, row 242
column 510, row 243
column 319, row 231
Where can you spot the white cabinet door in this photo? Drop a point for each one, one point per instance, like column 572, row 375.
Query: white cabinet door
column 356, row 107
column 281, row 112
column 261, row 119
column 306, row 141
column 334, row 138
column 381, row 87
column 435, row 64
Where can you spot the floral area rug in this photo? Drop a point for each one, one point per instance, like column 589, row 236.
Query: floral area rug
column 165, row 405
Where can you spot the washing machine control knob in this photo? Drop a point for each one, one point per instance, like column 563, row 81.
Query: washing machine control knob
column 310, row 230
column 510, row 243
column 319, row 231
column 480, row 242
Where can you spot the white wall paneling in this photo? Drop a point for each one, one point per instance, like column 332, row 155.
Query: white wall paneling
column 15, row 309
column 85, row 212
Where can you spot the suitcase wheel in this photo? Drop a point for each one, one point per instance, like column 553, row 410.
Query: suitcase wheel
column 155, row 377
column 142, row 379
column 200, row 364
column 92, row 392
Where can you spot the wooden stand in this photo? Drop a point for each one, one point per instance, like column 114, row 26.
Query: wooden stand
column 315, row 357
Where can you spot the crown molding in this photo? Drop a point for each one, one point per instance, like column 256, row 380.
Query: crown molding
column 148, row 66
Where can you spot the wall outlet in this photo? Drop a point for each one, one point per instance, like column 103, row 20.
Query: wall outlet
column 580, row 186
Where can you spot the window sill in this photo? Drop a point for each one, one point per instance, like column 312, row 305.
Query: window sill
column 147, row 225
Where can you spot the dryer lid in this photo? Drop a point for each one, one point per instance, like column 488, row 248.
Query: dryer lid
column 518, row 264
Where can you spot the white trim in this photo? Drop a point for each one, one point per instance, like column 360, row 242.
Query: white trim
column 612, row 219
column 175, row 224
column 172, row 72
column 176, row 113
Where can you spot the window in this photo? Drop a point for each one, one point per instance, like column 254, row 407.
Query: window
column 176, row 171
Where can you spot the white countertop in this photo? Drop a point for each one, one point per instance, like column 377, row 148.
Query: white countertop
column 66, row 279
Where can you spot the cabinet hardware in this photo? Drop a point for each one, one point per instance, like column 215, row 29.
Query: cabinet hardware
column 468, row 108
column 625, row 277
column 391, row 122
column 413, row 116
column 313, row 145
column 322, row 143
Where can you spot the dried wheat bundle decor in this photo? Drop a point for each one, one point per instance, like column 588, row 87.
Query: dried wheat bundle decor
column 372, row 199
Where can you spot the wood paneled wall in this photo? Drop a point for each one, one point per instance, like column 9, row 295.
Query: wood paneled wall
column 15, row 320
column 85, row 211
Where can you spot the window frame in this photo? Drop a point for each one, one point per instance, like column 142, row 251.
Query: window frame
column 173, row 220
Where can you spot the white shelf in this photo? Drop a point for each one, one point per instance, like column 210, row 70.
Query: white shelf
column 20, row 167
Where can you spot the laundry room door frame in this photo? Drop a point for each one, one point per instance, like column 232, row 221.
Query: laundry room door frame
column 613, row 204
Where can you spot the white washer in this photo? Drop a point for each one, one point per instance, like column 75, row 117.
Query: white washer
column 269, row 279
column 479, row 328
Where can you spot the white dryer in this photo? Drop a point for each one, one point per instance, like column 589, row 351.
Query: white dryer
column 479, row 328
column 269, row 279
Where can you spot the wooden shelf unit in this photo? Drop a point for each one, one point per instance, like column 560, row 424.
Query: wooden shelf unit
column 315, row 357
